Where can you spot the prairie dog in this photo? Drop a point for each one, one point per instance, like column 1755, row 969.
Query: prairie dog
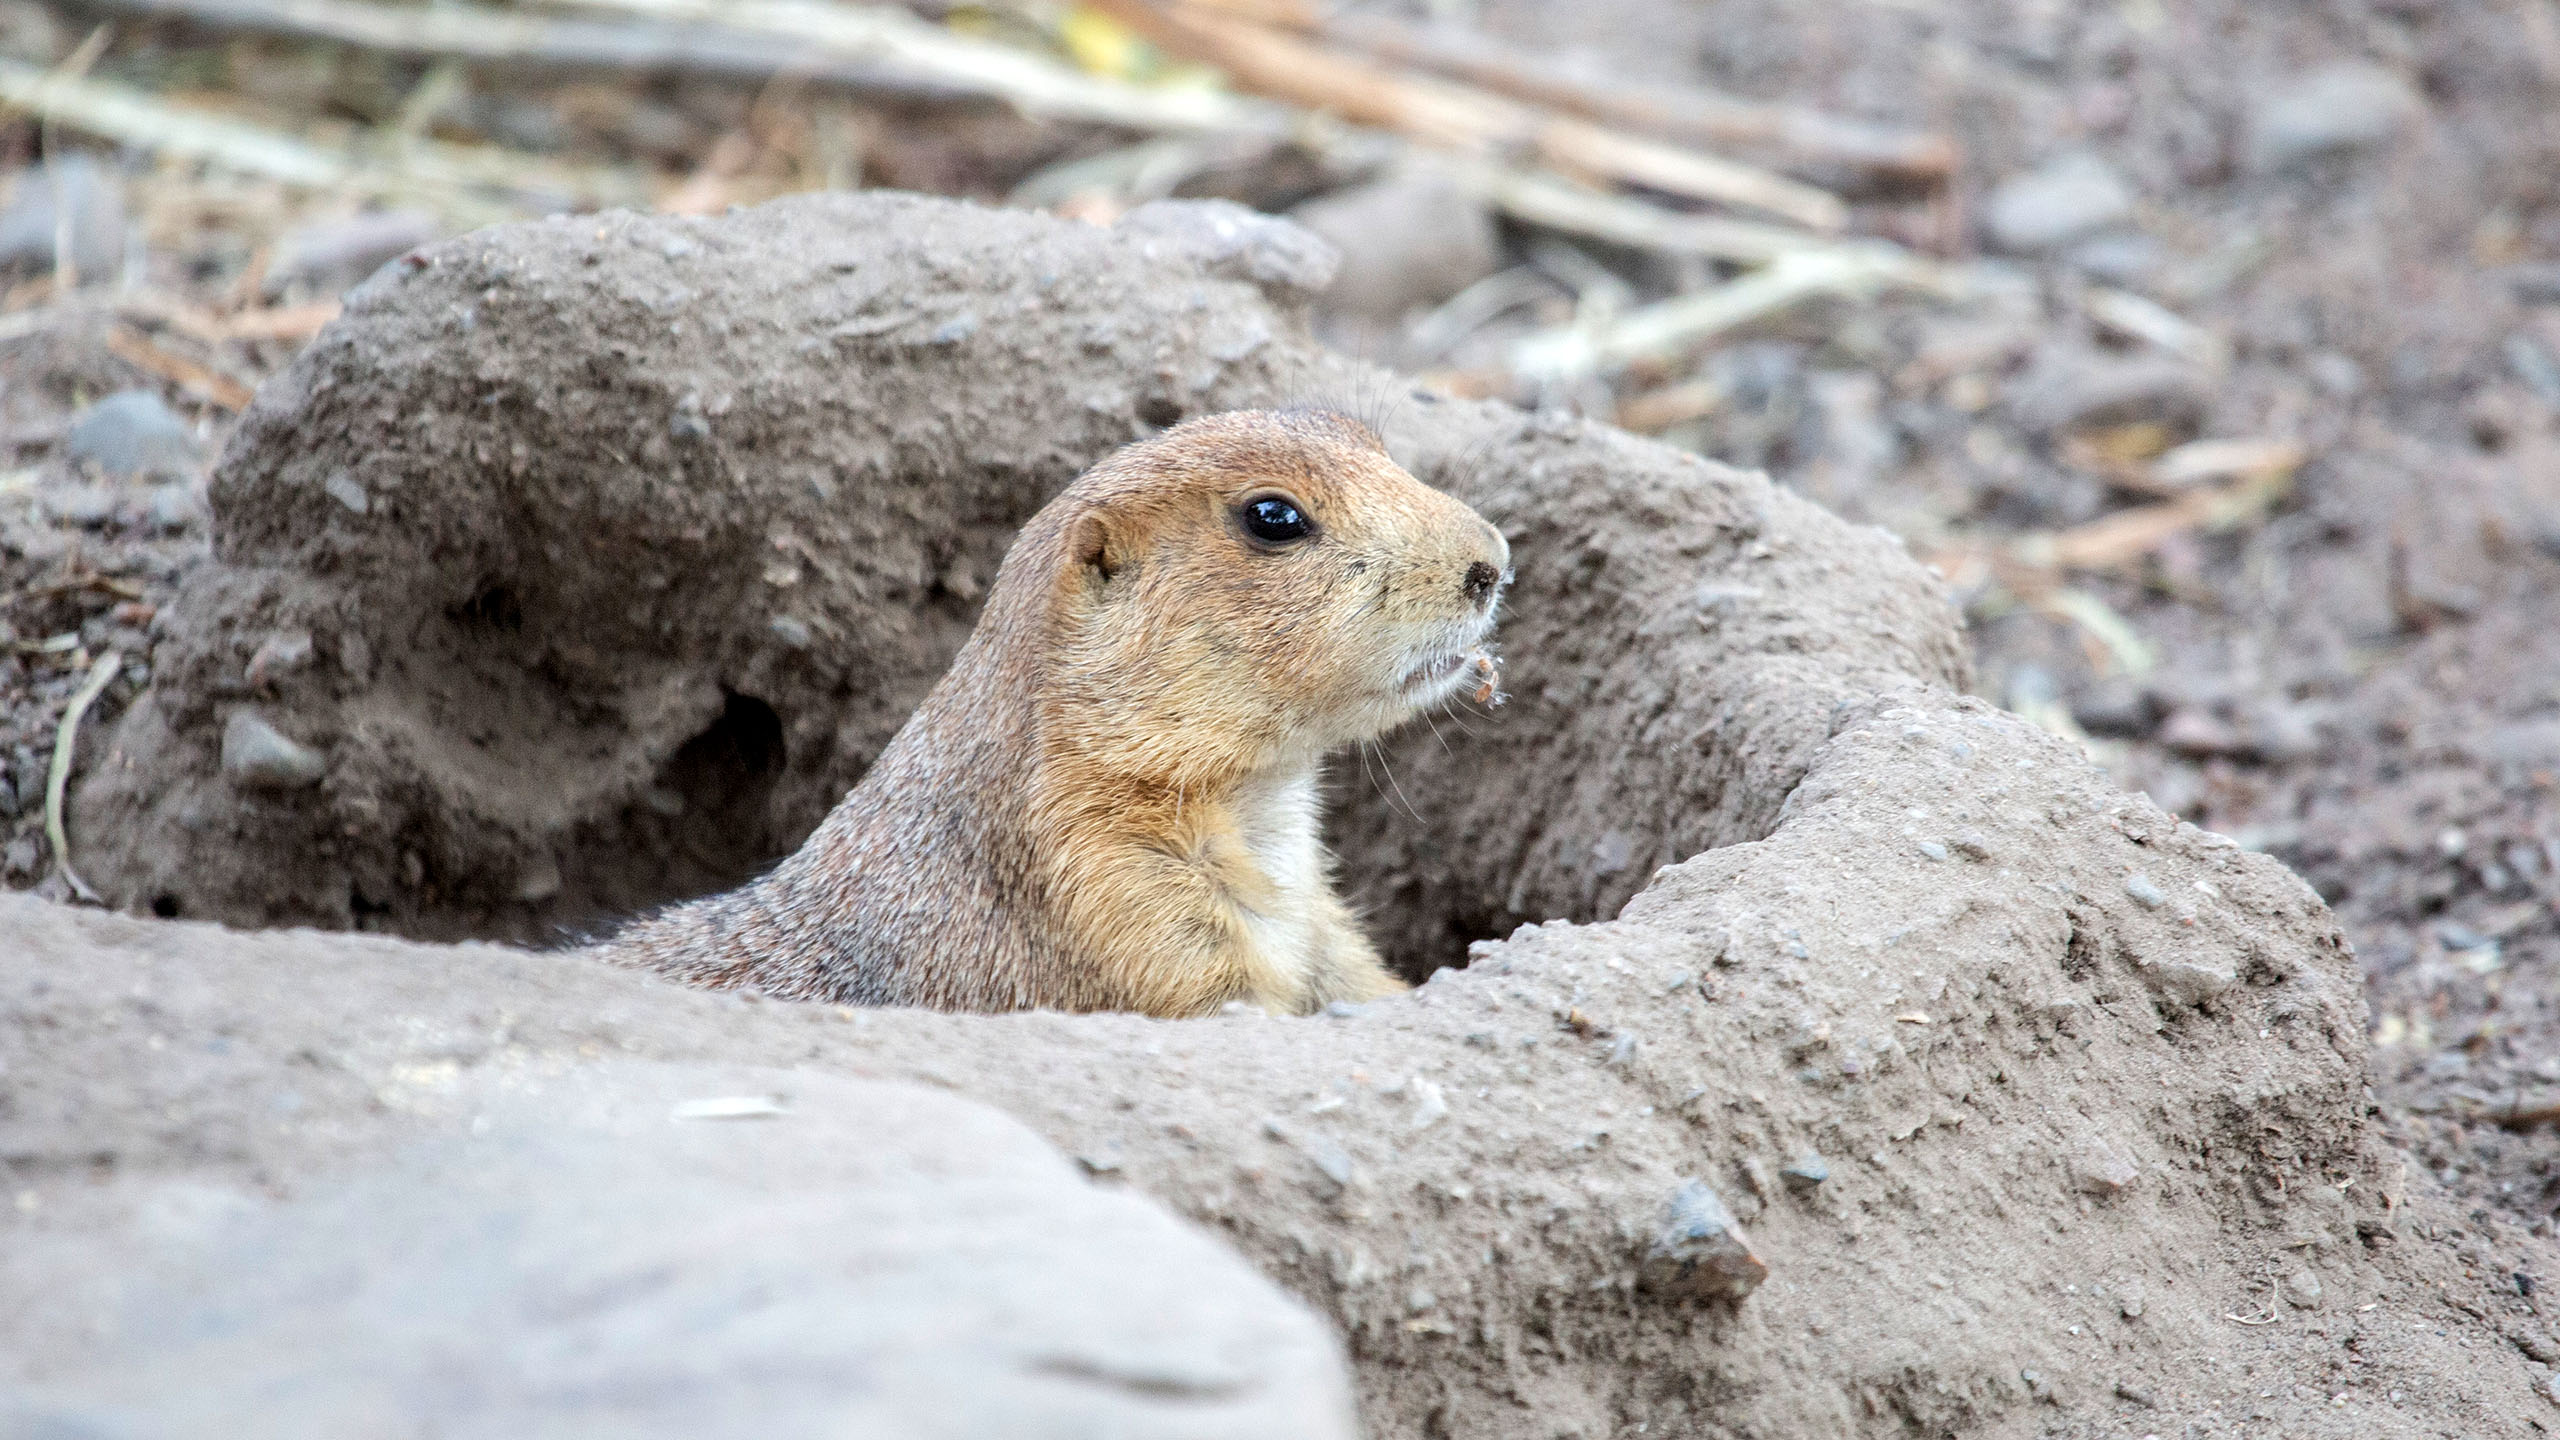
column 1110, row 801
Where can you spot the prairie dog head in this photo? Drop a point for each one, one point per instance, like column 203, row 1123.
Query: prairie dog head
column 1256, row 588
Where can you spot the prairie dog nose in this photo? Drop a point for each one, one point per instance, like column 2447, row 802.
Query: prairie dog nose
column 1482, row 579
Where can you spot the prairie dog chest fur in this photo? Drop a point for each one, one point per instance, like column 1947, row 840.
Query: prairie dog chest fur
column 1110, row 802
column 1278, row 820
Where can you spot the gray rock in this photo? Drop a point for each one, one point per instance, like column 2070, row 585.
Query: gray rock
column 874, row 1259
column 2073, row 389
column 134, row 435
column 2070, row 197
column 278, row 655
column 258, row 756
column 1410, row 238
column 2301, row 1290
column 1806, row 1172
column 1699, row 1252
column 2122, row 257
column 2193, row 730
column 345, row 489
column 2145, row 891
column 2102, row 1170
column 2349, row 106
column 28, row 225
column 89, row 505
column 174, row 507
column 1287, row 261
column 331, row 255
column 2189, row 977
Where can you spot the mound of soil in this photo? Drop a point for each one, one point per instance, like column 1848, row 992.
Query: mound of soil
column 583, row 565
column 2044, row 1112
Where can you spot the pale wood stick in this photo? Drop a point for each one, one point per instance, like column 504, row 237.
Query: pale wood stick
column 1453, row 116
column 1689, row 113
column 137, row 118
column 869, row 48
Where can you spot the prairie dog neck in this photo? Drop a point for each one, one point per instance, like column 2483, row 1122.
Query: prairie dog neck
column 1277, row 819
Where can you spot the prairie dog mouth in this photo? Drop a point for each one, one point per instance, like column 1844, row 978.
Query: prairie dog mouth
column 1442, row 675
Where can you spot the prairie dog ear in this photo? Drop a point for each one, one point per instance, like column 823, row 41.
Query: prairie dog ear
column 1089, row 544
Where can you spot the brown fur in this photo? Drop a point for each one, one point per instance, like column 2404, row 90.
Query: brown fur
column 1109, row 802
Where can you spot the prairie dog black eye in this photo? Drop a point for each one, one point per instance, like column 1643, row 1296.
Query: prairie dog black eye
column 1275, row 520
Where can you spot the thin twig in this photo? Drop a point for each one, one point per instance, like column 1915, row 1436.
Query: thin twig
column 866, row 48
column 449, row 173
column 202, row 381
column 2526, row 1118
column 1450, row 116
column 66, row 738
column 1664, row 330
column 1673, row 112
column 1551, row 203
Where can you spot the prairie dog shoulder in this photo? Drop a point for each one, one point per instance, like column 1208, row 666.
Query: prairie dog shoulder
column 1111, row 800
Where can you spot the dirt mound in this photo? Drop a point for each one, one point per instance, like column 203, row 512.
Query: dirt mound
column 584, row 563
column 626, row 1248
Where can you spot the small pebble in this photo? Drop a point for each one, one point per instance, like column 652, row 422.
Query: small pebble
column 328, row 256
column 1431, row 1104
column 278, row 655
column 133, row 435
column 2455, row 935
column 1700, row 1251
column 2069, row 198
column 260, row 757
column 1332, row 1159
column 1931, row 849
column 791, row 630
column 2350, row 106
column 2100, row 1171
column 1806, row 1172
column 88, row 506
column 1972, row 846
column 1411, row 238
column 173, row 507
column 342, row 487
column 2301, row 1290
column 2145, row 893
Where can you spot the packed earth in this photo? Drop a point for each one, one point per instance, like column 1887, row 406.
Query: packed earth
column 2234, row 448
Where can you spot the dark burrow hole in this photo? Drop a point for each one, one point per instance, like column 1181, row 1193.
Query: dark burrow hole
column 166, row 906
column 704, row 825
column 494, row 608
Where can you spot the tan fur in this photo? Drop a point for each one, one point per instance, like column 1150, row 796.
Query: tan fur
column 1109, row 802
